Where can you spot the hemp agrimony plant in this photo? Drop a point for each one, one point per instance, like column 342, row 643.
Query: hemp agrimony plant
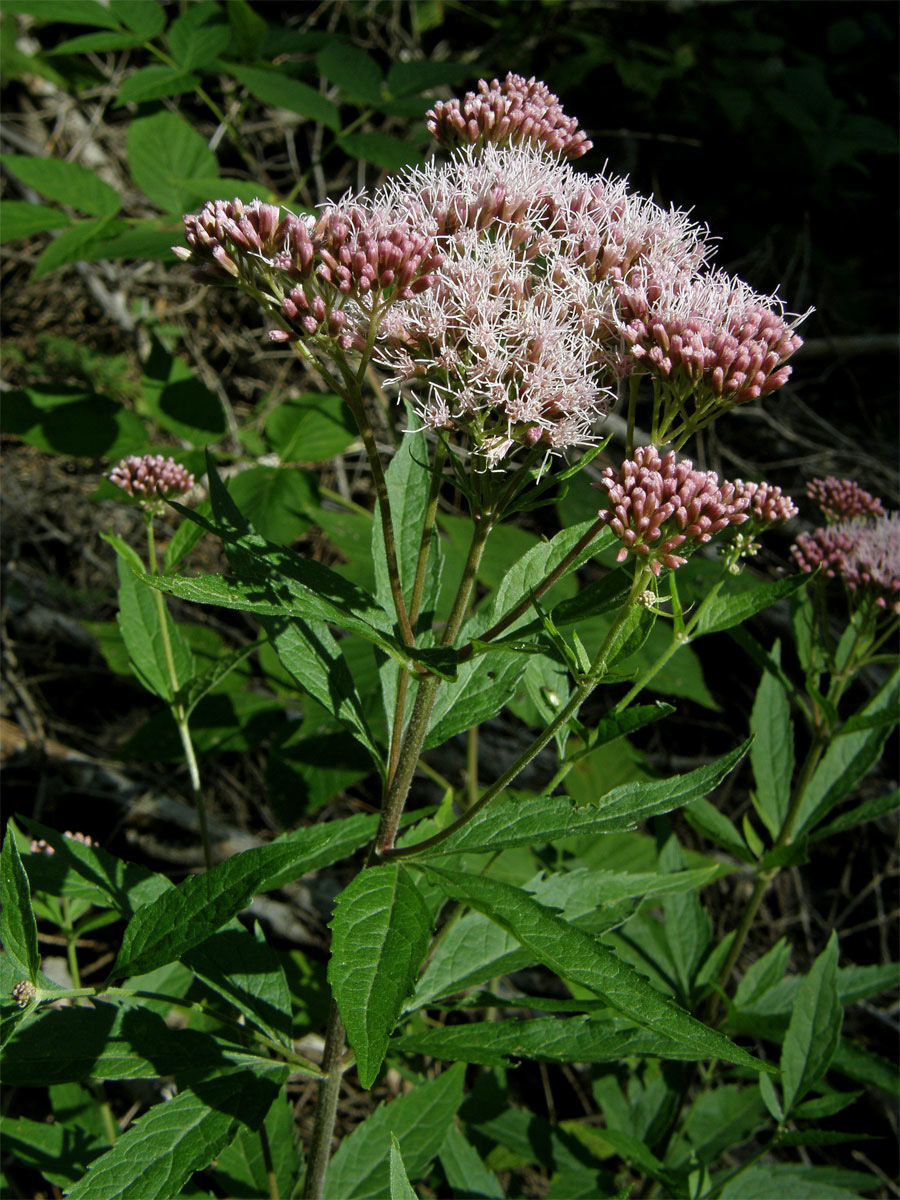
column 508, row 299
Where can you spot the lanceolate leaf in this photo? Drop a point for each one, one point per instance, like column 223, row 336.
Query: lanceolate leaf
column 726, row 611
column 163, row 1148
column 516, row 820
column 575, row 955
column 546, row 1039
column 400, row 1185
column 183, row 917
column 815, row 1028
column 465, row 1171
column 380, row 934
column 419, row 1120
column 17, row 925
column 772, row 753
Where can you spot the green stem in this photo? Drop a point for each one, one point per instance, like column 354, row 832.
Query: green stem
column 580, row 694
column 326, row 1107
column 271, row 1178
column 417, row 729
column 472, row 766
column 178, row 713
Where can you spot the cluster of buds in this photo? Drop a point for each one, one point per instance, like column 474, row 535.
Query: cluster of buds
column 727, row 343
column 232, row 242
column 151, row 478
column 40, row 846
column 861, row 547
column 843, row 499
column 23, row 993
column 767, row 506
column 659, row 504
column 514, row 111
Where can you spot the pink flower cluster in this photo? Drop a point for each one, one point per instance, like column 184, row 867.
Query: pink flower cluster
column 658, row 504
column 860, row 544
column 151, row 477
column 729, row 344
column 843, row 499
column 517, row 110
column 768, row 505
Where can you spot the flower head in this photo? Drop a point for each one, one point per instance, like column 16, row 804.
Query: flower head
column 151, row 477
column 864, row 553
column 514, row 111
column 842, row 499
column 768, row 505
column 658, row 504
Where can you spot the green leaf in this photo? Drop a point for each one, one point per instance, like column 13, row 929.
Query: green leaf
column 400, row 1185
column 175, row 397
column 712, row 823
column 98, row 42
column 480, row 690
column 145, row 17
column 163, row 1148
column 76, row 244
column 281, row 91
column 511, row 820
column 241, row 1168
column 354, row 71
column 195, row 40
column 465, row 1170
column 153, row 83
column 183, row 917
column 869, row 810
column 380, row 933
column 360, row 1169
column 687, row 925
column 71, row 12
column 60, row 1154
column 772, row 752
column 149, row 633
column 164, row 154
column 113, row 1042
column 248, row 28
column 391, row 153
column 65, row 182
column 71, row 421
column 848, row 759
column 581, row 1039
column 275, row 500
column 421, row 75
column 17, row 925
column 311, row 428
column 201, row 685
column 475, row 949
column 863, row 1066
column 814, row 1030
column 20, row 219
column 408, row 479
column 577, row 956
column 790, row 1181
column 763, row 974
column 729, row 609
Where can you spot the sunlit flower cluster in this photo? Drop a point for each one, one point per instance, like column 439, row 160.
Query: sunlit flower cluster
column 151, row 477
column 517, row 110
column 768, row 505
column 657, row 504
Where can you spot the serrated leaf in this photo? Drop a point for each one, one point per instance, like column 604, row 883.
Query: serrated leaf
column 163, row 153
column 201, row 685
column 178, row 400
column 869, row 810
column 281, row 91
column 241, row 1168
column 183, row 917
column 60, row 1154
column 354, row 71
column 146, row 17
column 109, row 1042
column 194, row 40
column 712, row 823
column 814, row 1030
column 728, row 610
column 248, row 28
column 789, row 1181
column 80, row 423
column 543, row 1039
column 153, row 83
column 848, row 759
column 163, row 1148
column 17, row 925
column 162, row 666
column 480, row 690
column 66, row 183
column 400, row 1185
column 408, row 479
column 511, row 820
column 772, row 752
column 77, row 244
column 419, row 1119
column 380, row 933
column 575, row 955
column 71, row 12
column 96, row 42
column 763, row 974
column 311, row 428
column 276, row 501
column 465, row 1170
column 862, row 1065
column 20, row 219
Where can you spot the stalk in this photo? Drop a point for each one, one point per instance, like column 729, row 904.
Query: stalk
column 326, row 1108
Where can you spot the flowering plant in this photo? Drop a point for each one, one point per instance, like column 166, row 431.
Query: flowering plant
column 509, row 300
